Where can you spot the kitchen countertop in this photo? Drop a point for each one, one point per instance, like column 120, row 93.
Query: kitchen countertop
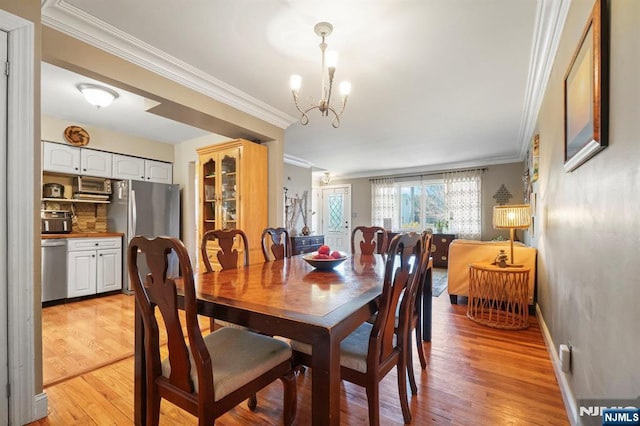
column 83, row 235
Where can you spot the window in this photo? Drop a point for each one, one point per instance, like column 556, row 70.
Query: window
column 421, row 205
column 451, row 204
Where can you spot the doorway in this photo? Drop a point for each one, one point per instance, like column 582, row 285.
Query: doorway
column 336, row 216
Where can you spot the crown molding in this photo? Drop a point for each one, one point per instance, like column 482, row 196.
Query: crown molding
column 297, row 161
column 550, row 19
column 68, row 19
column 435, row 168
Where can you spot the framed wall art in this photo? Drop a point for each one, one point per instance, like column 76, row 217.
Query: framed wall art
column 586, row 92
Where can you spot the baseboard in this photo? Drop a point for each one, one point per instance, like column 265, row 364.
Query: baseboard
column 565, row 390
column 40, row 406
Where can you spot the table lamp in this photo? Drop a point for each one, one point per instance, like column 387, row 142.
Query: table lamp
column 512, row 217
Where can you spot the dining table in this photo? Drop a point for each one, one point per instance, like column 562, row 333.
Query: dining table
column 292, row 299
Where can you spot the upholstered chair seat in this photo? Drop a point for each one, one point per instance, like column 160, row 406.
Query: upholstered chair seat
column 246, row 356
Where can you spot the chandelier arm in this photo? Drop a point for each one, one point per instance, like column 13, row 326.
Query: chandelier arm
column 304, row 118
column 332, row 70
column 336, row 119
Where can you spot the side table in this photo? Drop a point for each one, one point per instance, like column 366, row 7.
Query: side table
column 498, row 297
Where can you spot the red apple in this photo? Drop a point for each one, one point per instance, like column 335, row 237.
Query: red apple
column 336, row 254
column 322, row 256
column 324, row 249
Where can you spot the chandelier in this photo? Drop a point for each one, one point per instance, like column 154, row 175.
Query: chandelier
column 323, row 29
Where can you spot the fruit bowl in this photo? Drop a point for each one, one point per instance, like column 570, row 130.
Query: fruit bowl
column 323, row 264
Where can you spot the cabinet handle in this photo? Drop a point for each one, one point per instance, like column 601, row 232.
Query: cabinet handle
column 93, row 255
column 100, row 254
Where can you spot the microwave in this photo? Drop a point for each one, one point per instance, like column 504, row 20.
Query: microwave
column 91, row 185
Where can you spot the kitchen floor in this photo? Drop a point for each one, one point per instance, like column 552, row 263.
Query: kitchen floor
column 78, row 337
column 82, row 336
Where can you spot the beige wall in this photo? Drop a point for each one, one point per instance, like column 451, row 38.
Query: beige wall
column 106, row 140
column 297, row 180
column 508, row 174
column 589, row 239
column 184, row 174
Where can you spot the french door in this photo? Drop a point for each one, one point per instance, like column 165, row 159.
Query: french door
column 336, row 216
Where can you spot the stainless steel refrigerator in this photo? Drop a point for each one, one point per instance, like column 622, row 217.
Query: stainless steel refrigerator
column 143, row 208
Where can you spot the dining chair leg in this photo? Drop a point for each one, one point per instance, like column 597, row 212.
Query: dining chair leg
column 423, row 359
column 290, row 397
column 153, row 406
column 402, row 390
column 410, row 373
column 373, row 399
column 252, row 402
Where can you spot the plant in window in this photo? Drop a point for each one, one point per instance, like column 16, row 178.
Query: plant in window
column 440, row 225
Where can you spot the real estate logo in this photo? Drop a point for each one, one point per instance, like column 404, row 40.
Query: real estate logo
column 609, row 411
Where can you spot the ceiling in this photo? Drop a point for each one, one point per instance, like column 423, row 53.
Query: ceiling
column 435, row 84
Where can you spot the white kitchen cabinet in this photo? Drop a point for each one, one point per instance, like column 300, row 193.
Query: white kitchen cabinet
column 76, row 161
column 94, row 265
column 126, row 167
column 95, row 163
column 157, row 171
column 60, row 158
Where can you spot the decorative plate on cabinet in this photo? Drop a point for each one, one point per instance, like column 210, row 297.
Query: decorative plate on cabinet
column 76, row 136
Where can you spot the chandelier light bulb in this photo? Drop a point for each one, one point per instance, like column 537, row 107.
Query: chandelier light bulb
column 332, row 59
column 295, row 82
column 345, row 88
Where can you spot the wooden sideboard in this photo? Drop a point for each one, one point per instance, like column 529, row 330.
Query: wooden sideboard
column 440, row 249
column 306, row 243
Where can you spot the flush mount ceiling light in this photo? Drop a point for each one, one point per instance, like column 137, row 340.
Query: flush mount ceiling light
column 323, row 29
column 96, row 95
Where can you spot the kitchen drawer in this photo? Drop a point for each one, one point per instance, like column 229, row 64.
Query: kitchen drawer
column 77, row 244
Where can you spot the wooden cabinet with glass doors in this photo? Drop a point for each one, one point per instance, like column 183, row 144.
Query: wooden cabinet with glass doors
column 232, row 178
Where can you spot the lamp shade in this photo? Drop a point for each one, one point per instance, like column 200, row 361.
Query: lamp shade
column 517, row 216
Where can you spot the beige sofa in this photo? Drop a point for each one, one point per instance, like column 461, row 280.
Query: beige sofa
column 464, row 252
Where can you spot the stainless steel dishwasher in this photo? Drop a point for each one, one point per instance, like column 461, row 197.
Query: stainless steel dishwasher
column 54, row 269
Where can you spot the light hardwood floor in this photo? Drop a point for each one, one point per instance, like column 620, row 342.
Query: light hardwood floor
column 475, row 376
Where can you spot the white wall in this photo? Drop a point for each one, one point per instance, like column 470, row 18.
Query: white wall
column 589, row 239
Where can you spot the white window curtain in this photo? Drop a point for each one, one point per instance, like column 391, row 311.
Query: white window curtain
column 463, row 201
column 383, row 202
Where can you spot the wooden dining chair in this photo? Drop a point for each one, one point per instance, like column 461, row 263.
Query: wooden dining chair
column 423, row 277
column 227, row 255
column 372, row 350
column 204, row 375
column 368, row 240
column 276, row 243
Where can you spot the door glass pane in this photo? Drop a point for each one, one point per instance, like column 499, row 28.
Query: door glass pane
column 229, row 192
column 336, row 212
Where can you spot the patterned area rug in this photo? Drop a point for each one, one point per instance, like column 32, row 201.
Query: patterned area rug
column 439, row 281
